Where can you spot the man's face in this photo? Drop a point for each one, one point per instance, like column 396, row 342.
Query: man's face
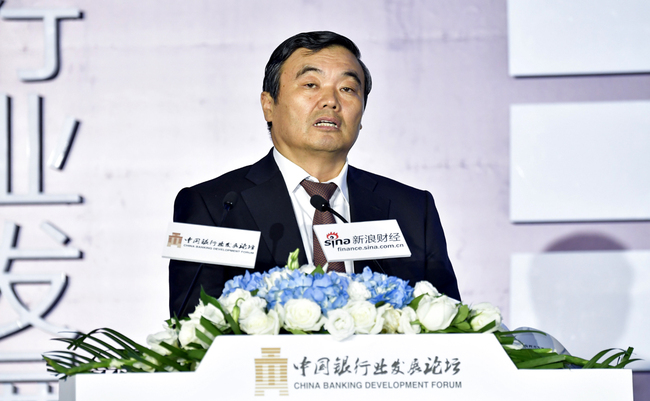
column 320, row 103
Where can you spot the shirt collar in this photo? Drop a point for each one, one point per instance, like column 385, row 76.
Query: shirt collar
column 294, row 174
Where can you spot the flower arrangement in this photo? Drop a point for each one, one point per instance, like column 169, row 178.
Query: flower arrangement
column 305, row 300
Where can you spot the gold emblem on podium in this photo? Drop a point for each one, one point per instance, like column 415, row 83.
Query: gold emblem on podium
column 271, row 372
column 175, row 240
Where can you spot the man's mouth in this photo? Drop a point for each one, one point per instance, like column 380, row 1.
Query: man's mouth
column 325, row 123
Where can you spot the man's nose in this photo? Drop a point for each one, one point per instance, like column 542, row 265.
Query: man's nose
column 330, row 98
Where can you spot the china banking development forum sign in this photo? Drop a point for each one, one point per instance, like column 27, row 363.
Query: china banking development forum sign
column 216, row 245
column 454, row 367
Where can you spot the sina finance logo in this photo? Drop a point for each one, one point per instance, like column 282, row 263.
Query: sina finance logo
column 271, row 372
column 333, row 240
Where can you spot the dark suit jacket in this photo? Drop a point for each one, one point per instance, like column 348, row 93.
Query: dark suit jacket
column 264, row 205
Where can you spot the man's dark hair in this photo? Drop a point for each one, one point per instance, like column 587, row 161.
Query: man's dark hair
column 314, row 41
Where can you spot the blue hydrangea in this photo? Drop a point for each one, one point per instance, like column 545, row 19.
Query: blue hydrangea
column 247, row 281
column 329, row 291
column 383, row 288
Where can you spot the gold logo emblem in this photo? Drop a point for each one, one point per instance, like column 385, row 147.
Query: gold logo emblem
column 271, row 372
column 175, row 240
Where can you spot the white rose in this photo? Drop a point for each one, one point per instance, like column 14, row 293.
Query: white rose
column 210, row 312
column 424, row 287
column 307, row 269
column 234, row 298
column 339, row 324
column 259, row 322
column 358, row 291
column 303, row 314
column 168, row 336
column 187, row 334
column 250, row 305
column 483, row 314
column 391, row 319
column 408, row 315
column 366, row 320
column 279, row 309
column 436, row 313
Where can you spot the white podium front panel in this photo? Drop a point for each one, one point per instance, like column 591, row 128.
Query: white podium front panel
column 384, row 367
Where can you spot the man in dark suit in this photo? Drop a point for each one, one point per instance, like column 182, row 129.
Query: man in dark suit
column 314, row 94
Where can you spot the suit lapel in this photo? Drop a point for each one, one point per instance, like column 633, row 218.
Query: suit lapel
column 271, row 208
column 365, row 205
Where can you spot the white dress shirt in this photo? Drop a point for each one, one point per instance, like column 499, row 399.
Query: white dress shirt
column 302, row 208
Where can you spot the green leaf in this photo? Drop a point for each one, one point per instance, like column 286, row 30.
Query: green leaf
column 461, row 315
column 606, row 362
column 504, row 339
column 177, row 352
column 414, row 303
column 208, row 299
column 197, row 354
column 464, row 326
column 536, row 363
column 296, row 331
column 67, row 358
column 626, row 359
column 203, row 337
column 507, row 333
column 92, row 349
column 210, row 327
column 488, row 326
column 318, row 270
column 162, row 360
column 593, row 361
column 233, row 324
column 557, row 365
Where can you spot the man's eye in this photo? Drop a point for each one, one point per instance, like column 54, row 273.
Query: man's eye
column 347, row 89
column 310, row 85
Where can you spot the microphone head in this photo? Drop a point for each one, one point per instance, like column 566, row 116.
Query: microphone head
column 320, row 203
column 230, row 199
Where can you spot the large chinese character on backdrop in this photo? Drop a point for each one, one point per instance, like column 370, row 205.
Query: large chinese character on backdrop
column 33, row 315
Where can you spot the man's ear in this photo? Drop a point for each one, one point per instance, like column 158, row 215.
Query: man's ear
column 268, row 105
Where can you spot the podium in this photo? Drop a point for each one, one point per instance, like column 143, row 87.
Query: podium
column 370, row 367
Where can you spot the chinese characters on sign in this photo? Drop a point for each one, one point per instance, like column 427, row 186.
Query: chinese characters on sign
column 50, row 19
column 33, row 314
column 210, row 243
column 346, row 373
column 342, row 366
column 9, row 252
column 376, row 238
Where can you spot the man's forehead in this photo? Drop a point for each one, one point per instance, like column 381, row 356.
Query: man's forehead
column 305, row 53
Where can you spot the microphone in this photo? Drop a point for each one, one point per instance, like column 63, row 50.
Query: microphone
column 322, row 205
column 228, row 202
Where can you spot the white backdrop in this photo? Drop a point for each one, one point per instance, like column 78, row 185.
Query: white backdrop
column 167, row 95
